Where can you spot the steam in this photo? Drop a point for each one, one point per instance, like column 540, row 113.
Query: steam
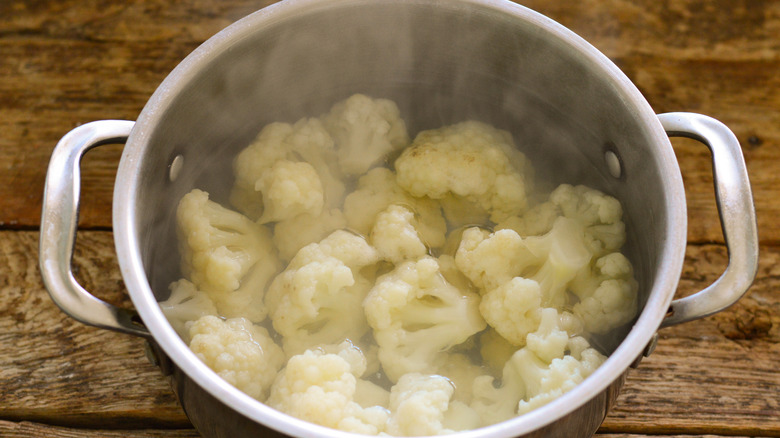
column 442, row 63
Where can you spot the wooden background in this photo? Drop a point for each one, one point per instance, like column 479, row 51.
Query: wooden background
column 67, row 62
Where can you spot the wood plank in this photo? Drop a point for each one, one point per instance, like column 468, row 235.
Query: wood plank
column 67, row 63
column 29, row 430
column 56, row 370
column 631, row 435
column 716, row 375
column 26, row 429
column 736, row 30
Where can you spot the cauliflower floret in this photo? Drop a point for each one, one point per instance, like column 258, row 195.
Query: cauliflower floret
column 365, row 130
column 293, row 234
column 607, row 294
column 472, row 160
column 225, row 255
column 550, row 339
column 416, row 314
column 320, row 387
column 555, row 258
column 349, row 248
column 186, row 303
column 318, row 298
column 529, row 381
column 545, row 380
column 535, row 221
column 376, row 190
column 513, row 309
column 289, row 189
column 420, row 405
column 238, row 351
column 395, row 236
column 552, row 260
column 600, row 214
column 306, row 140
column 490, row 259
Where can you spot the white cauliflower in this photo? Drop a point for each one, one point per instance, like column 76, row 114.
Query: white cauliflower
column 490, row 260
column 550, row 338
column 377, row 190
column 395, row 237
column 420, row 404
column 293, row 234
column 545, row 380
column 513, row 309
column 348, row 351
column 318, row 298
column 416, row 314
column 238, row 351
column 366, row 131
column 305, row 141
column 289, row 189
column 186, row 303
column 552, row 260
column 366, row 393
column 472, row 160
column 320, row 387
column 403, row 280
column 225, row 255
column 600, row 214
column 535, row 221
column 529, row 381
column 607, row 294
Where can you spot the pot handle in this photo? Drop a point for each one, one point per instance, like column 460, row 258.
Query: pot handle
column 737, row 216
column 59, row 220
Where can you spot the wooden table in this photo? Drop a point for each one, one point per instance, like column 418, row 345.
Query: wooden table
column 67, row 62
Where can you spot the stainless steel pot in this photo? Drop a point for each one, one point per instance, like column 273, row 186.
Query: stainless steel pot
column 570, row 109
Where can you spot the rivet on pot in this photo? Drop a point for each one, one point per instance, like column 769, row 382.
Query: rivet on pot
column 649, row 348
column 614, row 165
column 175, row 168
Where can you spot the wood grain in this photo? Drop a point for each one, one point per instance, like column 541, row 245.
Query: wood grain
column 27, row 429
column 717, row 375
column 66, row 63
column 55, row 370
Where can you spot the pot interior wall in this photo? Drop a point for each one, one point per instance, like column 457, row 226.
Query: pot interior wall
column 442, row 63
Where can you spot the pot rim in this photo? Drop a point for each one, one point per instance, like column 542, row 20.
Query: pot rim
column 133, row 272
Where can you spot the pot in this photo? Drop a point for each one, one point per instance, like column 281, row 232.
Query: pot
column 570, row 109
